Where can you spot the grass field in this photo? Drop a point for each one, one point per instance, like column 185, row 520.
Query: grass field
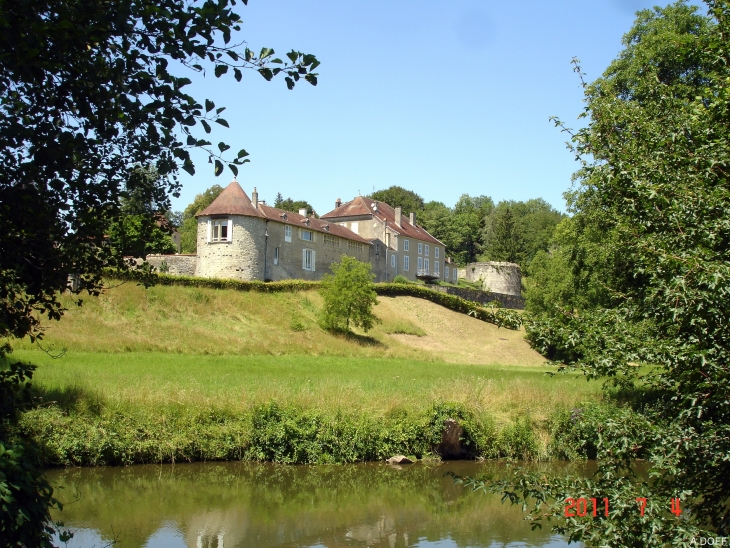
column 172, row 373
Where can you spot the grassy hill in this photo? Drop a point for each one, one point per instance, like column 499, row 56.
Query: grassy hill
column 149, row 375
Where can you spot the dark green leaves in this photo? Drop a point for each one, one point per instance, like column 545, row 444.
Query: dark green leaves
column 223, row 147
column 209, row 105
column 218, row 167
column 220, row 70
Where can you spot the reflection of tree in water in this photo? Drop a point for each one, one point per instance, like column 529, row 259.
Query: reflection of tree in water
column 241, row 504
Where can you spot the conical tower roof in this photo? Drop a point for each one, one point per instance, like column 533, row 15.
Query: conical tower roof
column 232, row 201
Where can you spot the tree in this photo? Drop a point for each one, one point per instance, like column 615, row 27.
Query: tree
column 397, row 196
column 466, row 228
column 349, row 296
column 189, row 227
column 90, row 92
column 654, row 181
column 505, row 241
column 294, row 205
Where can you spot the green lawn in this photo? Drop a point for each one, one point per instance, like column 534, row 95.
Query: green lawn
column 236, row 382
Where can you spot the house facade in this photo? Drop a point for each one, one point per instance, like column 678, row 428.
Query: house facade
column 408, row 249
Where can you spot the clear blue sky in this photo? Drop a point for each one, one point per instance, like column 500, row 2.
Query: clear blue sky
column 438, row 97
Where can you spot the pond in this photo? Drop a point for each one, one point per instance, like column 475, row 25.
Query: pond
column 211, row 505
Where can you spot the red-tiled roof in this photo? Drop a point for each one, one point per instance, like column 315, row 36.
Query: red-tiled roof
column 318, row 225
column 232, row 201
column 364, row 206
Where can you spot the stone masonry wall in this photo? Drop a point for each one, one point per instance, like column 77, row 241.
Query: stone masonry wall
column 482, row 297
column 505, row 278
column 242, row 258
column 182, row 265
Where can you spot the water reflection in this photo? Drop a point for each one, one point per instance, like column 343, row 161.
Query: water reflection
column 227, row 505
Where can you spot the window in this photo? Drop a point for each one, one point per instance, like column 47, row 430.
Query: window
column 436, row 252
column 330, row 240
column 354, row 246
column 446, row 273
column 456, row 275
column 308, row 259
column 392, row 261
column 420, row 248
column 406, row 262
column 426, row 254
column 354, row 227
column 436, row 267
column 425, row 266
column 287, row 233
column 307, row 235
column 276, row 255
column 405, row 245
column 420, row 264
column 220, row 230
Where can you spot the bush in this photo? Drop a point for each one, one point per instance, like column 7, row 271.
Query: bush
column 349, row 296
column 399, row 279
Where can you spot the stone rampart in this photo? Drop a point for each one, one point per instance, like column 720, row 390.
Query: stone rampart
column 482, row 297
column 496, row 277
column 181, row 265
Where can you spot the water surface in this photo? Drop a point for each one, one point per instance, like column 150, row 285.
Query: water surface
column 210, row 505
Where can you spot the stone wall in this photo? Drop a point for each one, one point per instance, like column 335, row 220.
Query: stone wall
column 505, row 278
column 482, row 297
column 182, row 265
column 242, row 258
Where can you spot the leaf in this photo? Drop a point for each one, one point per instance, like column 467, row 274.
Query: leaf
column 293, row 56
column 242, row 153
column 266, row 52
column 206, row 126
column 218, row 167
column 266, row 73
column 219, row 110
column 191, row 140
column 277, row 61
column 237, row 74
column 222, row 122
column 233, row 168
column 223, row 147
column 311, row 78
column 289, row 83
column 189, row 167
column 232, row 54
column 220, row 70
column 248, row 54
column 209, row 105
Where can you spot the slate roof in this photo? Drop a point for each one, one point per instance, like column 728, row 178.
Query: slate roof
column 365, row 206
column 232, row 201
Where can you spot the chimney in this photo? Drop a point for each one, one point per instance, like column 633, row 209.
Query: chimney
column 255, row 198
column 338, row 203
column 413, row 219
column 303, row 212
column 398, row 215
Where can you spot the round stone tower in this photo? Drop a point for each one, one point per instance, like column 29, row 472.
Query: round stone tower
column 231, row 237
column 505, row 278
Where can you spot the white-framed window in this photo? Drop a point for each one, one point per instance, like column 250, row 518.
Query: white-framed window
column 354, row 246
column 306, row 235
column 420, row 263
column 420, row 248
column 405, row 245
column 392, row 261
column 436, row 252
column 406, row 262
column 436, row 267
column 446, row 272
column 287, row 233
column 426, row 253
column 331, row 240
column 276, row 255
column 308, row 259
column 425, row 265
column 219, row 230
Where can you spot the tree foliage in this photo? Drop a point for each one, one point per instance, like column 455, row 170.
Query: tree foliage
column 349, row 296
column 294, row 205
column 397, row 196
column 654, row 206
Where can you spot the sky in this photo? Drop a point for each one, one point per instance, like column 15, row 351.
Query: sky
column 442, row 98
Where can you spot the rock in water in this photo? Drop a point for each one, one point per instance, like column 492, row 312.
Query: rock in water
column 399, row 459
